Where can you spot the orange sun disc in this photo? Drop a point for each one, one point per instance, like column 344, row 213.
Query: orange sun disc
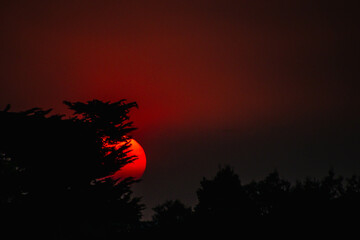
column 136, row 168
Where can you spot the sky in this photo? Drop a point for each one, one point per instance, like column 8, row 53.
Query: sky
column 257, row 85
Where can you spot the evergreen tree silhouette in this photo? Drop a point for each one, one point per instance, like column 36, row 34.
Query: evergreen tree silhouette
column 53, row 171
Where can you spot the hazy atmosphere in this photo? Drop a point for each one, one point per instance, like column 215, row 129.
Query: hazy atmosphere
column 257, row 85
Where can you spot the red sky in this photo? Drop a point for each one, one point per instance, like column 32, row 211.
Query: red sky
column 249, row 73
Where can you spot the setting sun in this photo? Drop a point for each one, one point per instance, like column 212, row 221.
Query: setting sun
column 136, row 168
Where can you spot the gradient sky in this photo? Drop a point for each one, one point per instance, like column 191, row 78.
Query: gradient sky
column 258, row 85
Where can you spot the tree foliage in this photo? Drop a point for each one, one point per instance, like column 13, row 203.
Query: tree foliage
column 269, row 206
column 171, row 215
column 51, row 166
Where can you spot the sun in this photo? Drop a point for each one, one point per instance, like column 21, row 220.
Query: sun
column 136, row 168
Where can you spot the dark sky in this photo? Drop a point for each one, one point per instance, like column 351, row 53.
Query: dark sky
column 255, row 84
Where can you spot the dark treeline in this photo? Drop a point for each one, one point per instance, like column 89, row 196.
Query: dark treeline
column 272, row 205
column 50, row 168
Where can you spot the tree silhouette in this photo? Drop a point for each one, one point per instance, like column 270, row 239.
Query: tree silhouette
column 223, row 202
column 269, row 195
column 172, row 216
column 54, row 184
column 273, row 205
column 53, row 169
